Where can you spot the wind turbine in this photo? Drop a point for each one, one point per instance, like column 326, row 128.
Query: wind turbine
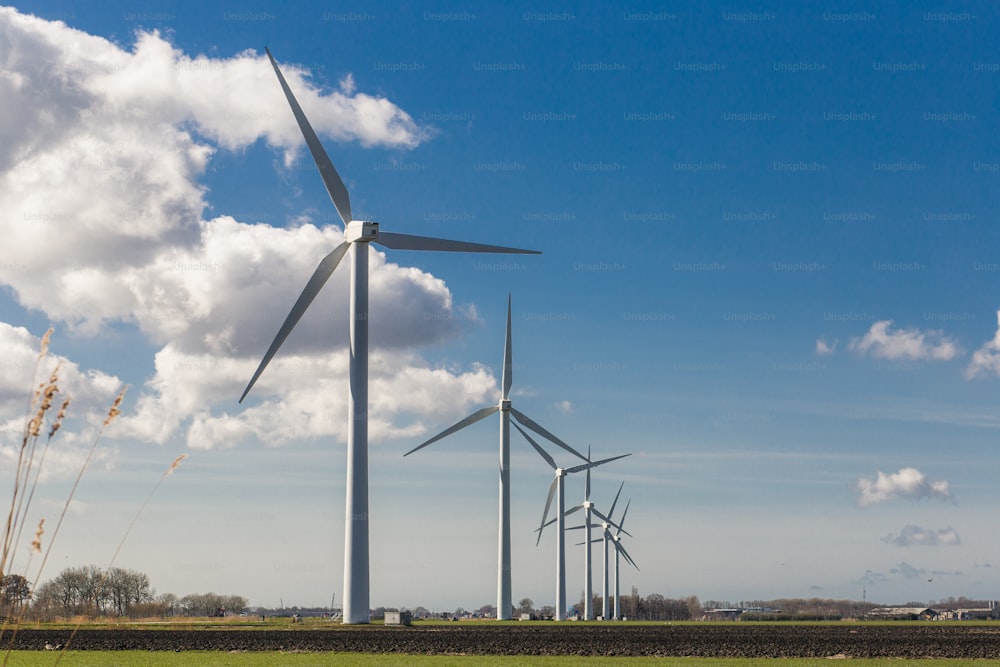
column 557, row 489
column 620, row 551
column 614, row 539
column 608, row 538
column 506, row 410
column 357, row 235
column 588, row 581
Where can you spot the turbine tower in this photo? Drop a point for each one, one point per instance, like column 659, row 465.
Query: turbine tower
column 506, row 411
column 357, row 236
column 557, row 489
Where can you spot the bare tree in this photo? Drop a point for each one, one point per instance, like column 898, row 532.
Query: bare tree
column 16, row 590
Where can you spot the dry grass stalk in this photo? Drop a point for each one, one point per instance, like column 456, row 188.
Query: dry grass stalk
column 176, row 464
column 41, row 401
column 114, row 411
column 39, row 407
column 60, row 416
column 36, row 544
column 44, row 347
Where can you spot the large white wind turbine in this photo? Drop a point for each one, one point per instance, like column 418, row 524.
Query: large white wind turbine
column 357, row 236
column 506, row 410
column 557, row 489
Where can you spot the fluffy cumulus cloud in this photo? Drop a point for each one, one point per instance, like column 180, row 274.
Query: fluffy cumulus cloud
column 884, row 342
column 908, row 483
column 986, row 360
column 915, row 536
column 101, row 152
column 102, row 148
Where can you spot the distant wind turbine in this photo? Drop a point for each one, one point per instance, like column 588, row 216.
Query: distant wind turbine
column 506, row 410
column 557, row 489
column 588, row 507
column 610, row 538
column 620, row 551
column 357, row 235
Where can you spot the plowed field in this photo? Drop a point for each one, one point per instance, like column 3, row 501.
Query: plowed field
column 937, row 640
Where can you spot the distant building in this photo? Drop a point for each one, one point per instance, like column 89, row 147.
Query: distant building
column 975, row 614
column 903, row 613
column 398, row 618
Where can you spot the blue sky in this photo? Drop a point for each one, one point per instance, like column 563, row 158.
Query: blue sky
column 769, row 251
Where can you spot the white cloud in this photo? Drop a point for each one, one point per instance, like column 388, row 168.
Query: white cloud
column 986, row 360
column 100, row 159
column 565, row 407
column 908, row 483
column 824, row 349
column 882, row 343
column 102, row 149
column 302, row 397
column 912, row 535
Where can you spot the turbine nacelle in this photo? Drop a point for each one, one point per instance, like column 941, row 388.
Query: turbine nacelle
column 360, row 231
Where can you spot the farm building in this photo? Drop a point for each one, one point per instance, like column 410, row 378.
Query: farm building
column 903, row 613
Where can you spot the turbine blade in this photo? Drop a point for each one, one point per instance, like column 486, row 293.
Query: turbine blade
column 615, row 502
column 411, row 242
column 545, row 514
column 319, row 277
column 624, row 514
column 508, row 363
column 544, row 454
column 331, row 179
column 625, row 553
column 526, row 421
column 594, row 464
column 545, row 525
column 468, row 421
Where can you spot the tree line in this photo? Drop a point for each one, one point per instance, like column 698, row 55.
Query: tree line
column 90, row 591
column 656, row 607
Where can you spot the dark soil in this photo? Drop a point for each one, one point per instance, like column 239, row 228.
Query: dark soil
column 934, row 640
